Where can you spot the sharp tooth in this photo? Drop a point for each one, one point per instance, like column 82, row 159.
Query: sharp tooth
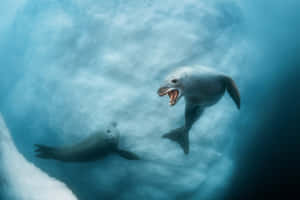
column 173, row 94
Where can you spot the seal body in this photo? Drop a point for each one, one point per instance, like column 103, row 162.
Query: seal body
column 201, row 87
column 97, row 146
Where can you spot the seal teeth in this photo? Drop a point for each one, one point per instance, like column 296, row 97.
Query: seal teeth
column 173, row 97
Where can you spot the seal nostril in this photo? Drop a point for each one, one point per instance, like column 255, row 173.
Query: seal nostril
column 108, row 131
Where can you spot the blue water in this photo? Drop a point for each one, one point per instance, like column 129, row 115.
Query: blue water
column 69, row 68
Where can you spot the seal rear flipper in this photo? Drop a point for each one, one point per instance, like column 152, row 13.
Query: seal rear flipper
column 181, row 136
column 45, row 152
column 128, row 155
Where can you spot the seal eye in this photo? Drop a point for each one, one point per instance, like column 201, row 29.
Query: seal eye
column 174, row 81
column 107, row 131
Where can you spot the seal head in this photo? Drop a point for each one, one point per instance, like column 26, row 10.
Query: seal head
column 174, row 85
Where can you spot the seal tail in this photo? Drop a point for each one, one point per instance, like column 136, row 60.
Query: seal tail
column 181, row 136
column 233, row 91
column 45, row 152
column 128, row 155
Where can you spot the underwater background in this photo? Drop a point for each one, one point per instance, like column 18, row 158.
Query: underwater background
column 69, row 68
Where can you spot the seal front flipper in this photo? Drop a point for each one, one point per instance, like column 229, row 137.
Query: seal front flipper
column 181, row 136
column 45, row 152
column 233, row 91
column 127, row 155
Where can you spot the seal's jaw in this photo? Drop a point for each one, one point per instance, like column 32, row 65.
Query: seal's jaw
column 173, row 93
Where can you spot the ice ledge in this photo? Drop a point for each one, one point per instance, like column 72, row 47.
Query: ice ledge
column 22, row 180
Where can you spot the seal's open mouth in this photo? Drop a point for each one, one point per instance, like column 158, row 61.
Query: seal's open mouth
column 172, row 92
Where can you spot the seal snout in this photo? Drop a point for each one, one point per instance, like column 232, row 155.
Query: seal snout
column 163, row 91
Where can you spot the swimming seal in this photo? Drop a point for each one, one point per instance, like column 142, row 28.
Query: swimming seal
column 95, row 147
column 201, row 87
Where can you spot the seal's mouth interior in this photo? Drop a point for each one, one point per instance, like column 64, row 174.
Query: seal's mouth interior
column 173, row 94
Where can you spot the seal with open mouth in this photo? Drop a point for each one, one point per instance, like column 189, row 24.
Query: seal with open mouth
column 201, row 87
